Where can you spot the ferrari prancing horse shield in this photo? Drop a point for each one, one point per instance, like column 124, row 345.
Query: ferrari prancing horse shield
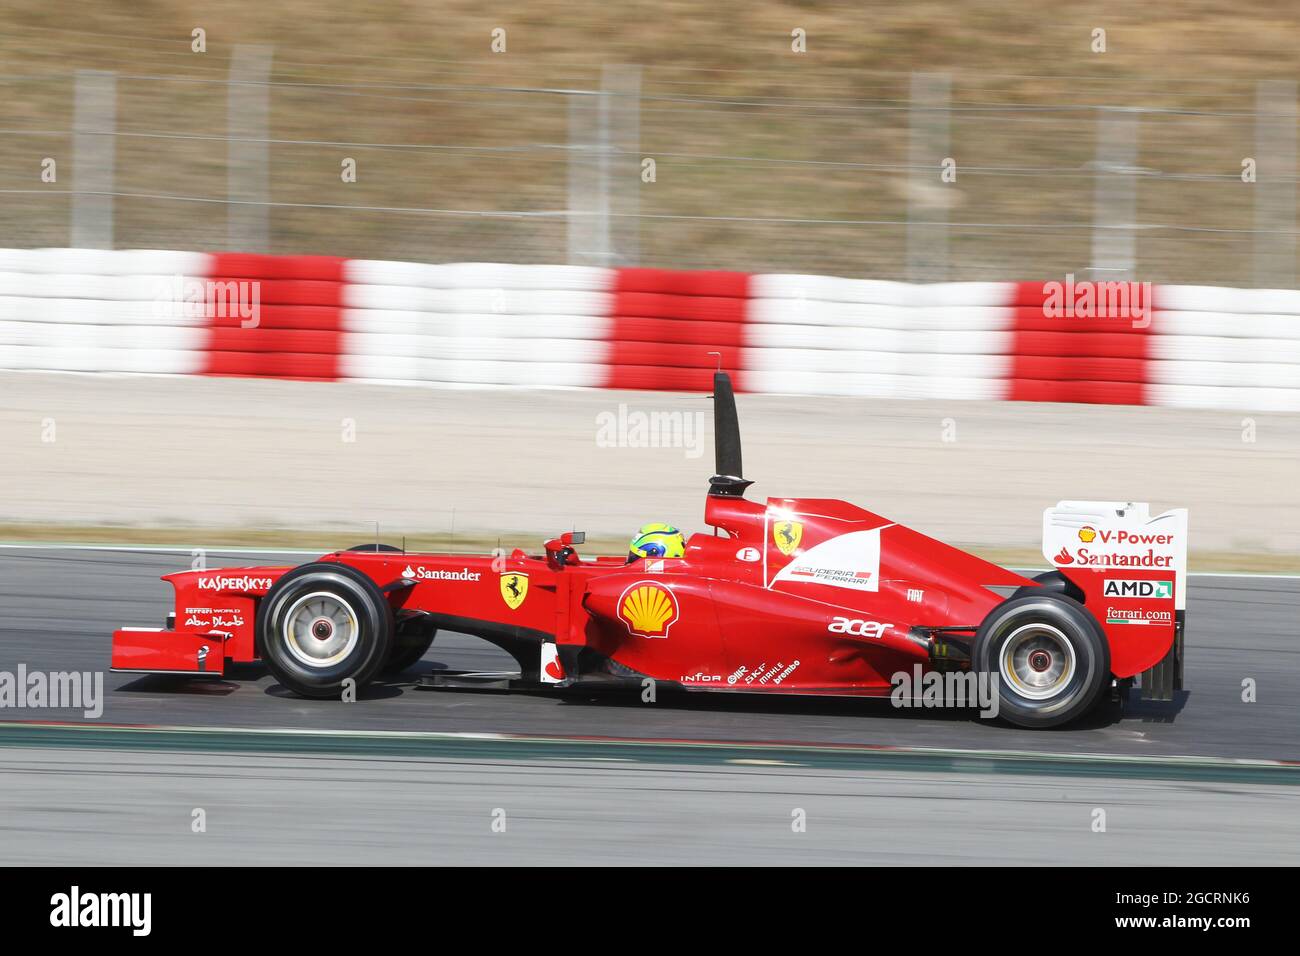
column 514, row 588
column 787, row 535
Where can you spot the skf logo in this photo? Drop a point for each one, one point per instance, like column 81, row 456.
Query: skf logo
column 787, row 535
column 1116, row 588
column 648, row 609
column 514, row 588
column 1087, row 534
column 858, row 627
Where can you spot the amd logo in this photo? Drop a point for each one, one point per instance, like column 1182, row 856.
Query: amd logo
column 1120, row 588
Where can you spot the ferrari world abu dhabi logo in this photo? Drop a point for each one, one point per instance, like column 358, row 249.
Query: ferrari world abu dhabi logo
column 786, row 535
column 514, row 588
column 648, row 609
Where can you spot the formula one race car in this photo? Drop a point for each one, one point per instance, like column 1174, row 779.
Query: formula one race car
column 794, row 596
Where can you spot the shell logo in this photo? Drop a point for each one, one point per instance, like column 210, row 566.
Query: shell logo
column 1087, row 534
column 648, row 609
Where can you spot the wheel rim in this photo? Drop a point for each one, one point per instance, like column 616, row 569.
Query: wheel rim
column 320, row 629
column 1037, row 660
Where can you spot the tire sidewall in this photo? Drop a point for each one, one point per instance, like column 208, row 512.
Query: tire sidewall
column 375, row 629
column 410, row 643
column 1080, row 628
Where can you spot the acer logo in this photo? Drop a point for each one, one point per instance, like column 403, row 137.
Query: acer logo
column 858, row 627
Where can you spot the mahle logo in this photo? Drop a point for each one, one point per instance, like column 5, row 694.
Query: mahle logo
column 1118, row 588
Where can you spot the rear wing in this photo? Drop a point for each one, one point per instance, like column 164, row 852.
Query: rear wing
column 1132, row 561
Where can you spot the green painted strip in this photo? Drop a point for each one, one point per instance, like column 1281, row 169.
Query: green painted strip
column 695, row 753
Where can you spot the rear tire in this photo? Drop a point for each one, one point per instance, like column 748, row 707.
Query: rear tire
column 1050, row 657
column 323, row 624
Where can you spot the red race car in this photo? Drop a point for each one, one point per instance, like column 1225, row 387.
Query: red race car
column 791, row 596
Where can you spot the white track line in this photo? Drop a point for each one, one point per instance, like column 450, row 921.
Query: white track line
column 695, row 744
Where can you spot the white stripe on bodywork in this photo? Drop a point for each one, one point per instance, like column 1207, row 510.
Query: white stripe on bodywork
column 854, row 553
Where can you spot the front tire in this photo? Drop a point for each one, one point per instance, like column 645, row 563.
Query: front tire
column 1049, row 655
column 411, row 642
column 323, row 624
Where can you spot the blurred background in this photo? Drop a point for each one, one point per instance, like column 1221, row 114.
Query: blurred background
column 1018, row 140
column 1067, row 159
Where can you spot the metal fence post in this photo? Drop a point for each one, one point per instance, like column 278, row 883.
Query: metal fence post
column 94, row 146
column 927, row 245
column 588, row 201
column 1275, row 170
column 621, row 88
column 1114, row 212
column 248, row 168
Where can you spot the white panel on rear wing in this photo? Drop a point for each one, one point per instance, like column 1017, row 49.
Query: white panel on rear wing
column 1118, row 534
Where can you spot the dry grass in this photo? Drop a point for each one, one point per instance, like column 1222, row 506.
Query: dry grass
column 414, row 72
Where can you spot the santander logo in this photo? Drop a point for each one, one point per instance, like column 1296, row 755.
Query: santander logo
column 1065, row 557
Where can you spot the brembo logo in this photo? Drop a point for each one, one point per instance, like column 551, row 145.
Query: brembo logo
column 242, row 583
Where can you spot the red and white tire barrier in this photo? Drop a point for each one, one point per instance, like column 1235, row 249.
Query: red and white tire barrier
column 483, row 324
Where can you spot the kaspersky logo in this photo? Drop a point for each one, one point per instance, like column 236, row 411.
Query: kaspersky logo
column 648, row 609
column 241, row 583
column 1120, row 588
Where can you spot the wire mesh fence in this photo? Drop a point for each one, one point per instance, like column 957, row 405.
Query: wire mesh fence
column 889, row 175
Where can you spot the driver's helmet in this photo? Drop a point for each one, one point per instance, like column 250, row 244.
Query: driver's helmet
column 657, row 541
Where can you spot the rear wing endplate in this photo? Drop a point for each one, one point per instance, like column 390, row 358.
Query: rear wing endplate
column 1106, row 534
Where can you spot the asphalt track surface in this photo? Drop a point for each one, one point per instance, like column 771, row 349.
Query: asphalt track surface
column 58, row 608
column 70, row 803
column 93, row 807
